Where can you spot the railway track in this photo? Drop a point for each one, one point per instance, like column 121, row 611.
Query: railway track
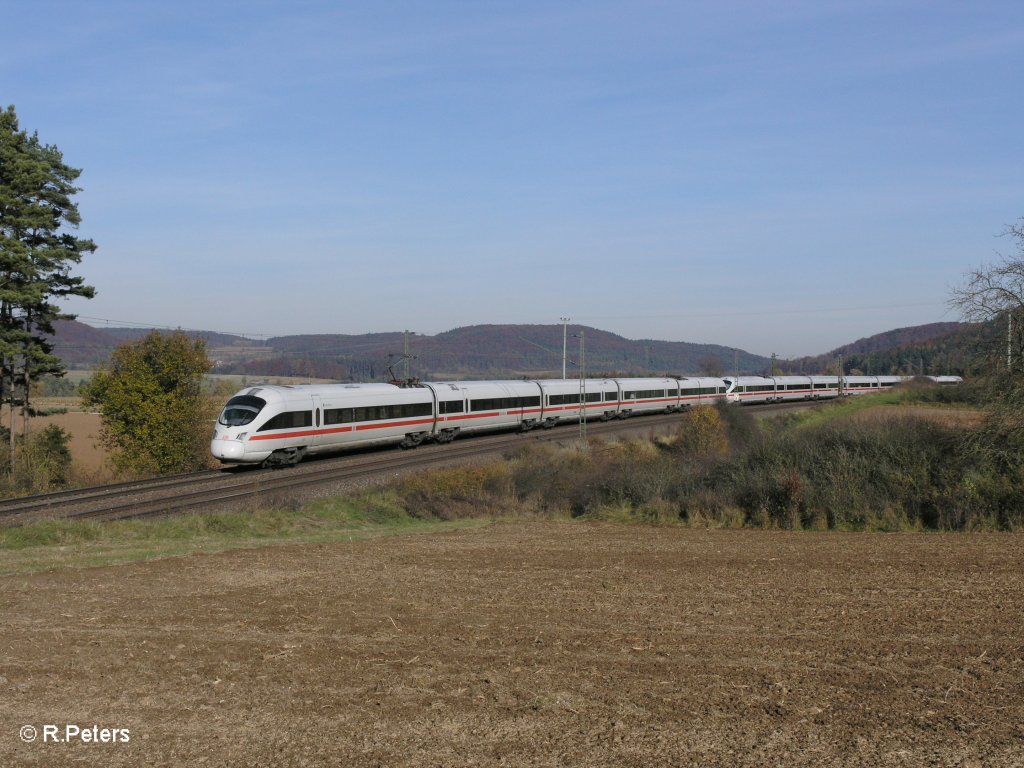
column 217, row 488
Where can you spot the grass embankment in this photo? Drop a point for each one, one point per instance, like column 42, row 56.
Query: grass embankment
column 867, row 463
column 79, row 544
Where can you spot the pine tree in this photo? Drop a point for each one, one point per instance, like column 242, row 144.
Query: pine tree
column 37, row 253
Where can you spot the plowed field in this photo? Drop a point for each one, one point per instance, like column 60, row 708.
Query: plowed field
column 548, row 644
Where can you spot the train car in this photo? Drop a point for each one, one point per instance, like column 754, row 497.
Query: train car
column 702, row 391
column 485, row 405
column 860, row 385
column 280, row 424
column 562, row 399
column 793, row 388
column 751, row 389
column 823, row 387
column 648, row 396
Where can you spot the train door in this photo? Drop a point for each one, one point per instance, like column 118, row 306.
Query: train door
column 319, row 438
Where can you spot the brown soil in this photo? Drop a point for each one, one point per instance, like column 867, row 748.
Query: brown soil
column 549, row 644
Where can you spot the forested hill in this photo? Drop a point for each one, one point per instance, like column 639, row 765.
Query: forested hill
column 936, row 348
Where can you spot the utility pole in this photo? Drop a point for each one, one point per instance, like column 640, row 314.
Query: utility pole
column 583, row 391
column 405, row 354
column 773, row 365
column 565, row 331
column 840, row 375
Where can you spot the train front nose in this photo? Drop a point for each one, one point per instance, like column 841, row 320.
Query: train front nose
column 224, row 448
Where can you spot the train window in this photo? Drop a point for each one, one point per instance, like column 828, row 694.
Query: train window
column 643, row 394
column 611, row 396
column 499, row 403
column 450, row 406
column 384, row 412
column 241, row 410
column 417, row 409
column 337, row 415
column 570, row 399
column 289, row 420
column 593, row 397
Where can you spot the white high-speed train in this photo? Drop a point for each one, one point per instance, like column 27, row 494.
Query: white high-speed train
column 777, row 389
column 276, row 425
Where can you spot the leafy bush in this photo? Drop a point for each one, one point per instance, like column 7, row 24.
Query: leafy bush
column 893, row 471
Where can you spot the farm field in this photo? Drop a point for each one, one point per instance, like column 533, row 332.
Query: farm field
column 531, row 643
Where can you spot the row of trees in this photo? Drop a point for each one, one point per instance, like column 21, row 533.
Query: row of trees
column 38, row 251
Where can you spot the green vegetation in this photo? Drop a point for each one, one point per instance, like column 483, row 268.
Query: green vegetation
column 43, row 463
column 151, row 402
column 851, row 465
column 77, row 544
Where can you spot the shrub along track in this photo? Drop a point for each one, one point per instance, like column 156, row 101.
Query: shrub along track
column 222, row 488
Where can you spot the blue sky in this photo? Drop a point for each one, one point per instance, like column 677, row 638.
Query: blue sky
column 781, row 177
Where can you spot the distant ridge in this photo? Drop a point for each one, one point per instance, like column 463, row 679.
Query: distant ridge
column 492, row 351
column 513, row 351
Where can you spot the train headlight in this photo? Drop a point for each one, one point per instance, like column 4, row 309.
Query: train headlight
column 242, row 436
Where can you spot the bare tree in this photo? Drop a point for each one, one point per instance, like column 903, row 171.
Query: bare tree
column 995, row 292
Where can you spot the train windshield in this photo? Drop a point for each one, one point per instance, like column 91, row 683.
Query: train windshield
column 241, row 410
